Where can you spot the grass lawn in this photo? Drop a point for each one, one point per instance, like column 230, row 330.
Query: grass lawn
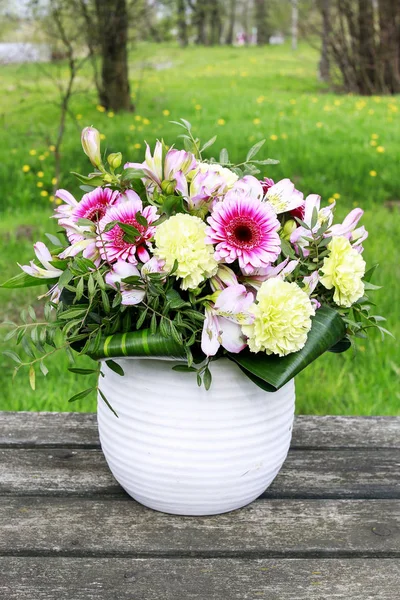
column 335, row 145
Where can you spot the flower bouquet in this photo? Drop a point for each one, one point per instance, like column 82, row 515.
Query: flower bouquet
column 180, row 268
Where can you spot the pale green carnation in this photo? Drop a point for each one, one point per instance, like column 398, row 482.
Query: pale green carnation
column 282, row 318
column 182, row 238
column 343, row 269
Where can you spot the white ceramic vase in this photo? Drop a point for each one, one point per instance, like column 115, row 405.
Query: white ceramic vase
column 180, row 449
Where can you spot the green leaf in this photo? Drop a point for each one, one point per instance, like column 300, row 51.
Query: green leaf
column 266, row 161
column 13, row 355
column 32, row 377
column 82, row 371
column 130, row 174
column 371, row 286
column 107, row 402
column 23, row 280
column 254, row 150
column 368, row 275
column 327, row 330
column 208, row 143
column 94, row 179
column 184, row 369
column 139, row 218
column 207, row 378
column 53, row 239
column 224, row 156
column 82, row 394
column 111, row 364
column 73, row 312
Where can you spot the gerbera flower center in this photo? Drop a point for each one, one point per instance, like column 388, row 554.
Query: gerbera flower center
column 95, row 213
column 243, row 233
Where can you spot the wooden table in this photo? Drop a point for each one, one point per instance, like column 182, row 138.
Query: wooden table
column 328, row 528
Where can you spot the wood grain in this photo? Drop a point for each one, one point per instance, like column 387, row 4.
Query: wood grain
column 79, row 430
column 305, row 474
column 267, row 528
column 198, row 579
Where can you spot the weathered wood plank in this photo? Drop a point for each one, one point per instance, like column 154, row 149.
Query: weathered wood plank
column 306, row 473
column 198, row 579
column 267, row 528
column 79, row 430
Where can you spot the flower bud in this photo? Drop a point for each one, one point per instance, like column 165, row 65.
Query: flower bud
column 114, row 160
column 288, row 229
column 90, row 139
column 108, row 178
column 168, row 187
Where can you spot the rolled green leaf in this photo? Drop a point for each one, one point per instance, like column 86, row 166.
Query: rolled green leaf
column 138, row 343
column 271, row 372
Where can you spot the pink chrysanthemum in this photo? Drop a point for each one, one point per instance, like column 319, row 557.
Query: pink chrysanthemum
column 113, row 245
column 244, row 228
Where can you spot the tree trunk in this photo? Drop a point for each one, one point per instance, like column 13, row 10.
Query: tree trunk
column 200, row 22
column 182, row 25
column 366, row 47
column 389, row 45
column 324, row 63
column 295, row 21
column 231, row 23
column 113, row 29
column 263, row 32
column 215, row 23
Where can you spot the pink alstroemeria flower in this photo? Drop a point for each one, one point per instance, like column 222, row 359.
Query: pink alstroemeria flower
column 222, row 325
column 260, row 275
column 325, row 215
column 152, row 165
column 113, row 245
column 348, row 229
column 122, row 270
column 283, row 196
column 310, row 283
column 204, row 189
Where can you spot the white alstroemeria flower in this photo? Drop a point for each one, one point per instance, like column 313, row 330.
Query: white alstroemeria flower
column 122, row 270
column 325, row 215
column 283, row 196
column 222, row 325
column 262, row 274
column 47, row 271
column 348, row 229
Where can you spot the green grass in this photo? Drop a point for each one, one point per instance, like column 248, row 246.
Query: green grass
column 323, row 143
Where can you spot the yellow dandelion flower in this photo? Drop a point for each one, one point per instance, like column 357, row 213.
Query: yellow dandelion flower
column 137, row 146
column 166, row 112
column 319, row 124
column 101, row 108
column 256, row 121
column 58, row 200
column 371, row 111
column 284, row 136
column 221, row 122
column 331, row 200
column 373, row 143
column 26, row 168
column 198, row 106
column 138, row 118
column 253, row 60
column 39, row 184
column 243, row 74
column 42, row 157
column 32, row 152
column 314, row 100
column 380, row 149
column 281, row 114
column 146, row 121
column 327, row 108
column 51, row 198
column 52, row 148
column 132, row 127
column 337, row 102
column 393, row 108
column 260, row 99
column 14, row 151
column 44, row 193
column 293, row 101
column 102, row 136
column 376, row 99
column 78, row 117
column 273, row 137
column 54, row 181
column 373, row 173
column 110, row 114
column 336, row 196
column 374, row 136
column 40, row 174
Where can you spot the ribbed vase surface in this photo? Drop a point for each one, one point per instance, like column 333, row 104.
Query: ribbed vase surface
column 180, row 449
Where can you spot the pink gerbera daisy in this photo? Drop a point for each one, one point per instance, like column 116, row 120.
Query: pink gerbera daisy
column 113, row 244
column 244, row 228
column 93, row 207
